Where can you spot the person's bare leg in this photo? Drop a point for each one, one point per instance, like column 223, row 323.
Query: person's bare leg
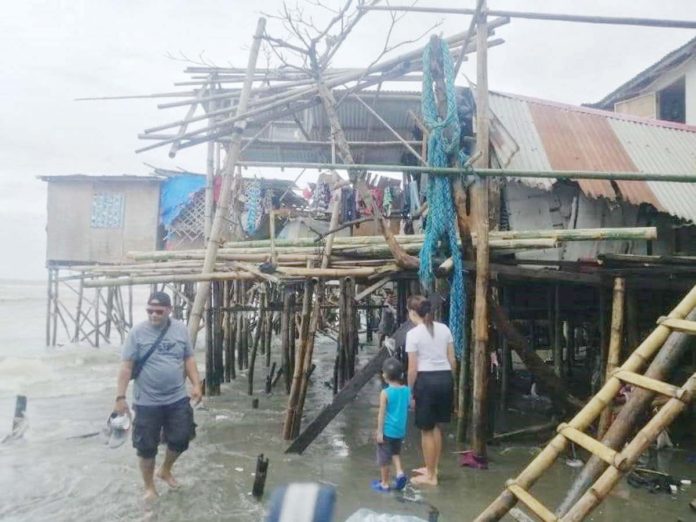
column 428, row 446
column 384, row 475
column 165, row 471
column 437, row 439
column 396, row 460
column 147, row 469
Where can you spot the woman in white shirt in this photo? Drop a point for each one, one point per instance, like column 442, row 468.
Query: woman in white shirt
column 430, row 349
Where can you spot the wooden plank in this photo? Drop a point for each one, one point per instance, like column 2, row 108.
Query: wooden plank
column 528, row 500
column 647, row 383
column 342, row 399
column 595, row 447
column 678, row 325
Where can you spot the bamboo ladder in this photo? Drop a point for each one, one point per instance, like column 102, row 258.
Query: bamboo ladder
column 619, row 461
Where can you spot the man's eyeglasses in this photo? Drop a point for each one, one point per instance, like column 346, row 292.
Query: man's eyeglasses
column 152, row 311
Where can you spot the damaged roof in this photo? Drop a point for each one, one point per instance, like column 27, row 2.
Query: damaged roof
column 539, row 135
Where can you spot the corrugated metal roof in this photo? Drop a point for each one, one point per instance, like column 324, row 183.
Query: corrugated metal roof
column 663, row 150
column 580, row 138
column 517, row 143
column 100, row 177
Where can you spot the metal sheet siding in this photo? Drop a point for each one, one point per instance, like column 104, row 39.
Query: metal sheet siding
column 663, row 150
column 517, row 143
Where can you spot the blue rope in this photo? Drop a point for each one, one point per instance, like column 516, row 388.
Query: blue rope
column 441, row 227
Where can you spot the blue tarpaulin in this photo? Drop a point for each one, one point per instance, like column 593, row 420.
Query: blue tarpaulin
column 176, row 193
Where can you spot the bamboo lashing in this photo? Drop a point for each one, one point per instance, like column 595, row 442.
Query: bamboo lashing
column 678, row 325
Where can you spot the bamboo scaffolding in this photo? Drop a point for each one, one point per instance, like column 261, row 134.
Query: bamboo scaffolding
column 222, row 210
column 402, row 64
column 581, row 421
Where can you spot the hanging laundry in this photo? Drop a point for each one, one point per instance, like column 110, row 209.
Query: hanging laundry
column 252, row 206
column 387, row 201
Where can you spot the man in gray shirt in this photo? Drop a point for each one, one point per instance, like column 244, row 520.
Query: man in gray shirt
column 159, row 392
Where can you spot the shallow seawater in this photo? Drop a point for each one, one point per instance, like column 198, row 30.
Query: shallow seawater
column 52, row 475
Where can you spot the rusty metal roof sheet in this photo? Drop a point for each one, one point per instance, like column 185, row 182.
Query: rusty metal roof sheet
column 516, row 141
column 581, row 138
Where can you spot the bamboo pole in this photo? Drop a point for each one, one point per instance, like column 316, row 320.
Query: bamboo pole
column 293, row 399
column 620, row 429
column 589, row 19
column 617, row 320
column 400, row 64
column 222, row 210
column 481, row 203
column 482, row 172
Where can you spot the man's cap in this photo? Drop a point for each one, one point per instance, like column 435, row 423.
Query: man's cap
column 160, row 299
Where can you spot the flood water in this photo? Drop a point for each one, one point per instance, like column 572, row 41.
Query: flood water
column 50, row 475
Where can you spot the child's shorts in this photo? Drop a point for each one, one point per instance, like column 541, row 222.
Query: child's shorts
column 387, row 449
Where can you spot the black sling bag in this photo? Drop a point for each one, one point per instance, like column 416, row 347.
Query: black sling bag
column 138, row 366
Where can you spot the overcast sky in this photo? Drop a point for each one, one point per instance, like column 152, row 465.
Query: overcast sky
column 53, row 51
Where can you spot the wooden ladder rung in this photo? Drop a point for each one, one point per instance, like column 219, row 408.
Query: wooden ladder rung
column 608, row 455
column 678, row 325
column 648, row 383
column 533, row 504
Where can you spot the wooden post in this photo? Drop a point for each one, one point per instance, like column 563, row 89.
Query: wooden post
column 557, row 332
column 285, row 318
column 221, row 213
column 295, row 386
column 97, row 298
column 218, row 332
column 615, row 338
column 229, row 331
column 209, row 385
column 49, row 302
column 78, row 312
column 632, row 318
column 481, row 205
column 506, row 356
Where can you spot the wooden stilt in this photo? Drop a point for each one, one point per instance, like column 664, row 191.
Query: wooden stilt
column 481, row 204
column 294, row 397
column 617, row 320
column 557, row 332
column 78, row 312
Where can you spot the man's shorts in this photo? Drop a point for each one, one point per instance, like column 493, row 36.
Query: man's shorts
column 387, row 449
column 174, row 420
column 434, row 396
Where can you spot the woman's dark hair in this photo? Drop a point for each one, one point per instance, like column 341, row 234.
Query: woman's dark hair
column 422, row 306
